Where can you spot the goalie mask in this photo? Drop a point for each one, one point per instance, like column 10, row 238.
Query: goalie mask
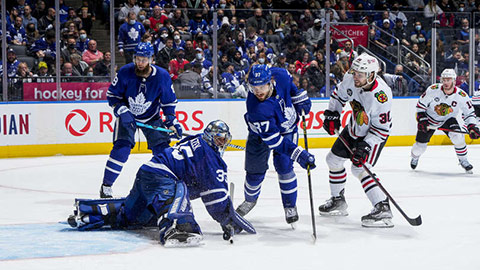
column 217, row 135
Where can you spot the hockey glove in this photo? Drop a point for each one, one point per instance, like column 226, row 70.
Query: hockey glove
column 422, row 122
column 306, row 159
column 360, row 154
column 303, row 107
column 234, row 223
column 474, row 131
column 173, row 124
column 331, row 122
column 127, row 119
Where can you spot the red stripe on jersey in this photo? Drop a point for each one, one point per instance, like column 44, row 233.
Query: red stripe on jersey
column 367, row 183
column 374, row 152
column 338, row 177
column 378, row 131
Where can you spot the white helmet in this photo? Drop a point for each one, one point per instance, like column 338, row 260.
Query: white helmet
column 449, row 73
column 366, row 63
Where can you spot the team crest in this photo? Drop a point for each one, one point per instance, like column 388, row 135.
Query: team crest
column 359, row 113
column 435, row 86
column 139, row 105
column 349, row 91
column 461, row 93
column 381, row 97
column 443, row 109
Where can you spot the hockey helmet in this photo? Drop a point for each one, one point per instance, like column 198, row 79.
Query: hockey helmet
column 144, row 49
column 367, row 64
column 217, row 135
column 449, row 73
column 259, row 75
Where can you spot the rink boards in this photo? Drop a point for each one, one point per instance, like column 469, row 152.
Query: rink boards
column 79, row 128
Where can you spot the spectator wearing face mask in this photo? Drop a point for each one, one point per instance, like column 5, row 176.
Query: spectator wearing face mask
column 198, row 25
column 177, row 41
column 129, row 35
column 82, row 43
column 314, row 35
column 177, row 64
column 69, row 50
column 199, row 58
column 130, row 6
column 418, row 35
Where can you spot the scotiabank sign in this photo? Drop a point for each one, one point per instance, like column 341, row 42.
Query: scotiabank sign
column 70, row 91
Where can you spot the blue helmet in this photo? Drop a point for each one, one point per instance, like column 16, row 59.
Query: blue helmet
column 144, row 49
column 259, row 75
column 217, row 135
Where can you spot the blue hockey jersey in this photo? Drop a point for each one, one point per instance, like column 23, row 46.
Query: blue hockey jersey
column 143, row 96
column 202, row 169
column 276, row 116
column 230, row 81
column 129, row 35
column 42, row 45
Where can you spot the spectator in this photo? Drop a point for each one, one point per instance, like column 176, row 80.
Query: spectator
column 72, row 16
column 463, row 36
column 432, row 9
column 240, row 63
column 315, row 78
column 327, row 7
column 258, row 22
column 92, row 55
column 12, row 63
column 381, row 22
column 295, row 35
column 180, row 21
column 400, row 32
column 302, row 64
column 268, row 51
column 396, row 14
column 129, row 35
column 102, row 68
column 190, row 79
column 245, row 11
column 418, row 35
column 348, row 49
column 87, row 20
column 396, row 81
column 189, row 50
column 124, row 14
column 177, row 40
column 46, row 22
column 384, row 38
column 232, row 81
column 17, row 34
column 44, row 49
column 306, row 20
column 199, row 58
column 40, row 10
column 198, row 25
column 69, row 50
column 166, row 54
column 82, row 42
column 157, row 19
column 177, row 64
column 67, row 72
column 28, row 18
column 314, row 35
column 414, row 61
column 452, row 50
column 42, row 75
column 32, row 34
column 79, row 67
column 63, row 12
column 343, row 16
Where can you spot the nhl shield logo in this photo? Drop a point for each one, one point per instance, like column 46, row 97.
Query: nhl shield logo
column 349, row 91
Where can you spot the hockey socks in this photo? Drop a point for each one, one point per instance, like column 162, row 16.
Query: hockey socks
column 118, row 157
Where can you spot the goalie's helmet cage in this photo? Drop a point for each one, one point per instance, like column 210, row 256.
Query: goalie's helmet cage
column 217, row 135
column 367, row 64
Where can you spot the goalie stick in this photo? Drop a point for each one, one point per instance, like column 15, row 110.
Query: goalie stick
column 413, row 221
column 312, row 212
column 184, row 134
column 228, row 235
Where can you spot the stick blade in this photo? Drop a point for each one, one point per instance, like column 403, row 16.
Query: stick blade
column 415, row 221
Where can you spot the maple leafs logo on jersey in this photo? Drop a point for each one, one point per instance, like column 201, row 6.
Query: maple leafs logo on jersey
column 139, row 106
column 359, row 113
column 461, row 93
column 291, row 115
column 133, row 33
column 381, row 97
column 443, row 109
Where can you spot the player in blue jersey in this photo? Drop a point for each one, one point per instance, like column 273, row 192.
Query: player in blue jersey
column 163, row 188
column 137, row 93
column 273, row 107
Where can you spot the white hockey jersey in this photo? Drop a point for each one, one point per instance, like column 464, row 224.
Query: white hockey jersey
column 439, row 107
column 371, row 117
column 476, row 98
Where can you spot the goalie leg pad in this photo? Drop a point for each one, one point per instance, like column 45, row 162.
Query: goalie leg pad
column 92, row 214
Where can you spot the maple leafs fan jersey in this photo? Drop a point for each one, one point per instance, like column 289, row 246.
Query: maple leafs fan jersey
column 371, row 117
column 143, row 96
column 439, row 107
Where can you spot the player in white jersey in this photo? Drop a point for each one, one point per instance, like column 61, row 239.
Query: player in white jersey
column 366, row 133
column 438, row 107
column 476, row 103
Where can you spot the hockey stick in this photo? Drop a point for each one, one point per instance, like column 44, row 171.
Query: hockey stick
column 312, row 212
column 184, row 134
column 449, row 130
column 228, row 236
column 413, row 221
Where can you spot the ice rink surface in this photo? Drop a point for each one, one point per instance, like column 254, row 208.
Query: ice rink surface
column 38, row 193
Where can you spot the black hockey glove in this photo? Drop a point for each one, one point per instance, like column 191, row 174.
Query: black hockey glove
column 422, row 122
column 360, row 154
column 474, row 131
column 331, row 122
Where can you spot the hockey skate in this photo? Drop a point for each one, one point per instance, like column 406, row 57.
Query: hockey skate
column 77, row 221
column 245, row 207
column 335, row 206
column 291, row 216
column 106, row 191
column 175, row 237
column 467, row 166
column 414, row 163
column 379, row 217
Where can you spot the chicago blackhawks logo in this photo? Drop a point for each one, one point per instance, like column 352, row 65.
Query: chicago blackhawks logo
column 461, row 93
column 359, row 113
column 381, row 97
column 443, row 109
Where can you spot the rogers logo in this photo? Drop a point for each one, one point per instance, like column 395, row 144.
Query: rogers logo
column 69, row 125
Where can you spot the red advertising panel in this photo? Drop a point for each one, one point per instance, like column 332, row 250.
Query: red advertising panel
column 70, row 91
column 359, row 34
